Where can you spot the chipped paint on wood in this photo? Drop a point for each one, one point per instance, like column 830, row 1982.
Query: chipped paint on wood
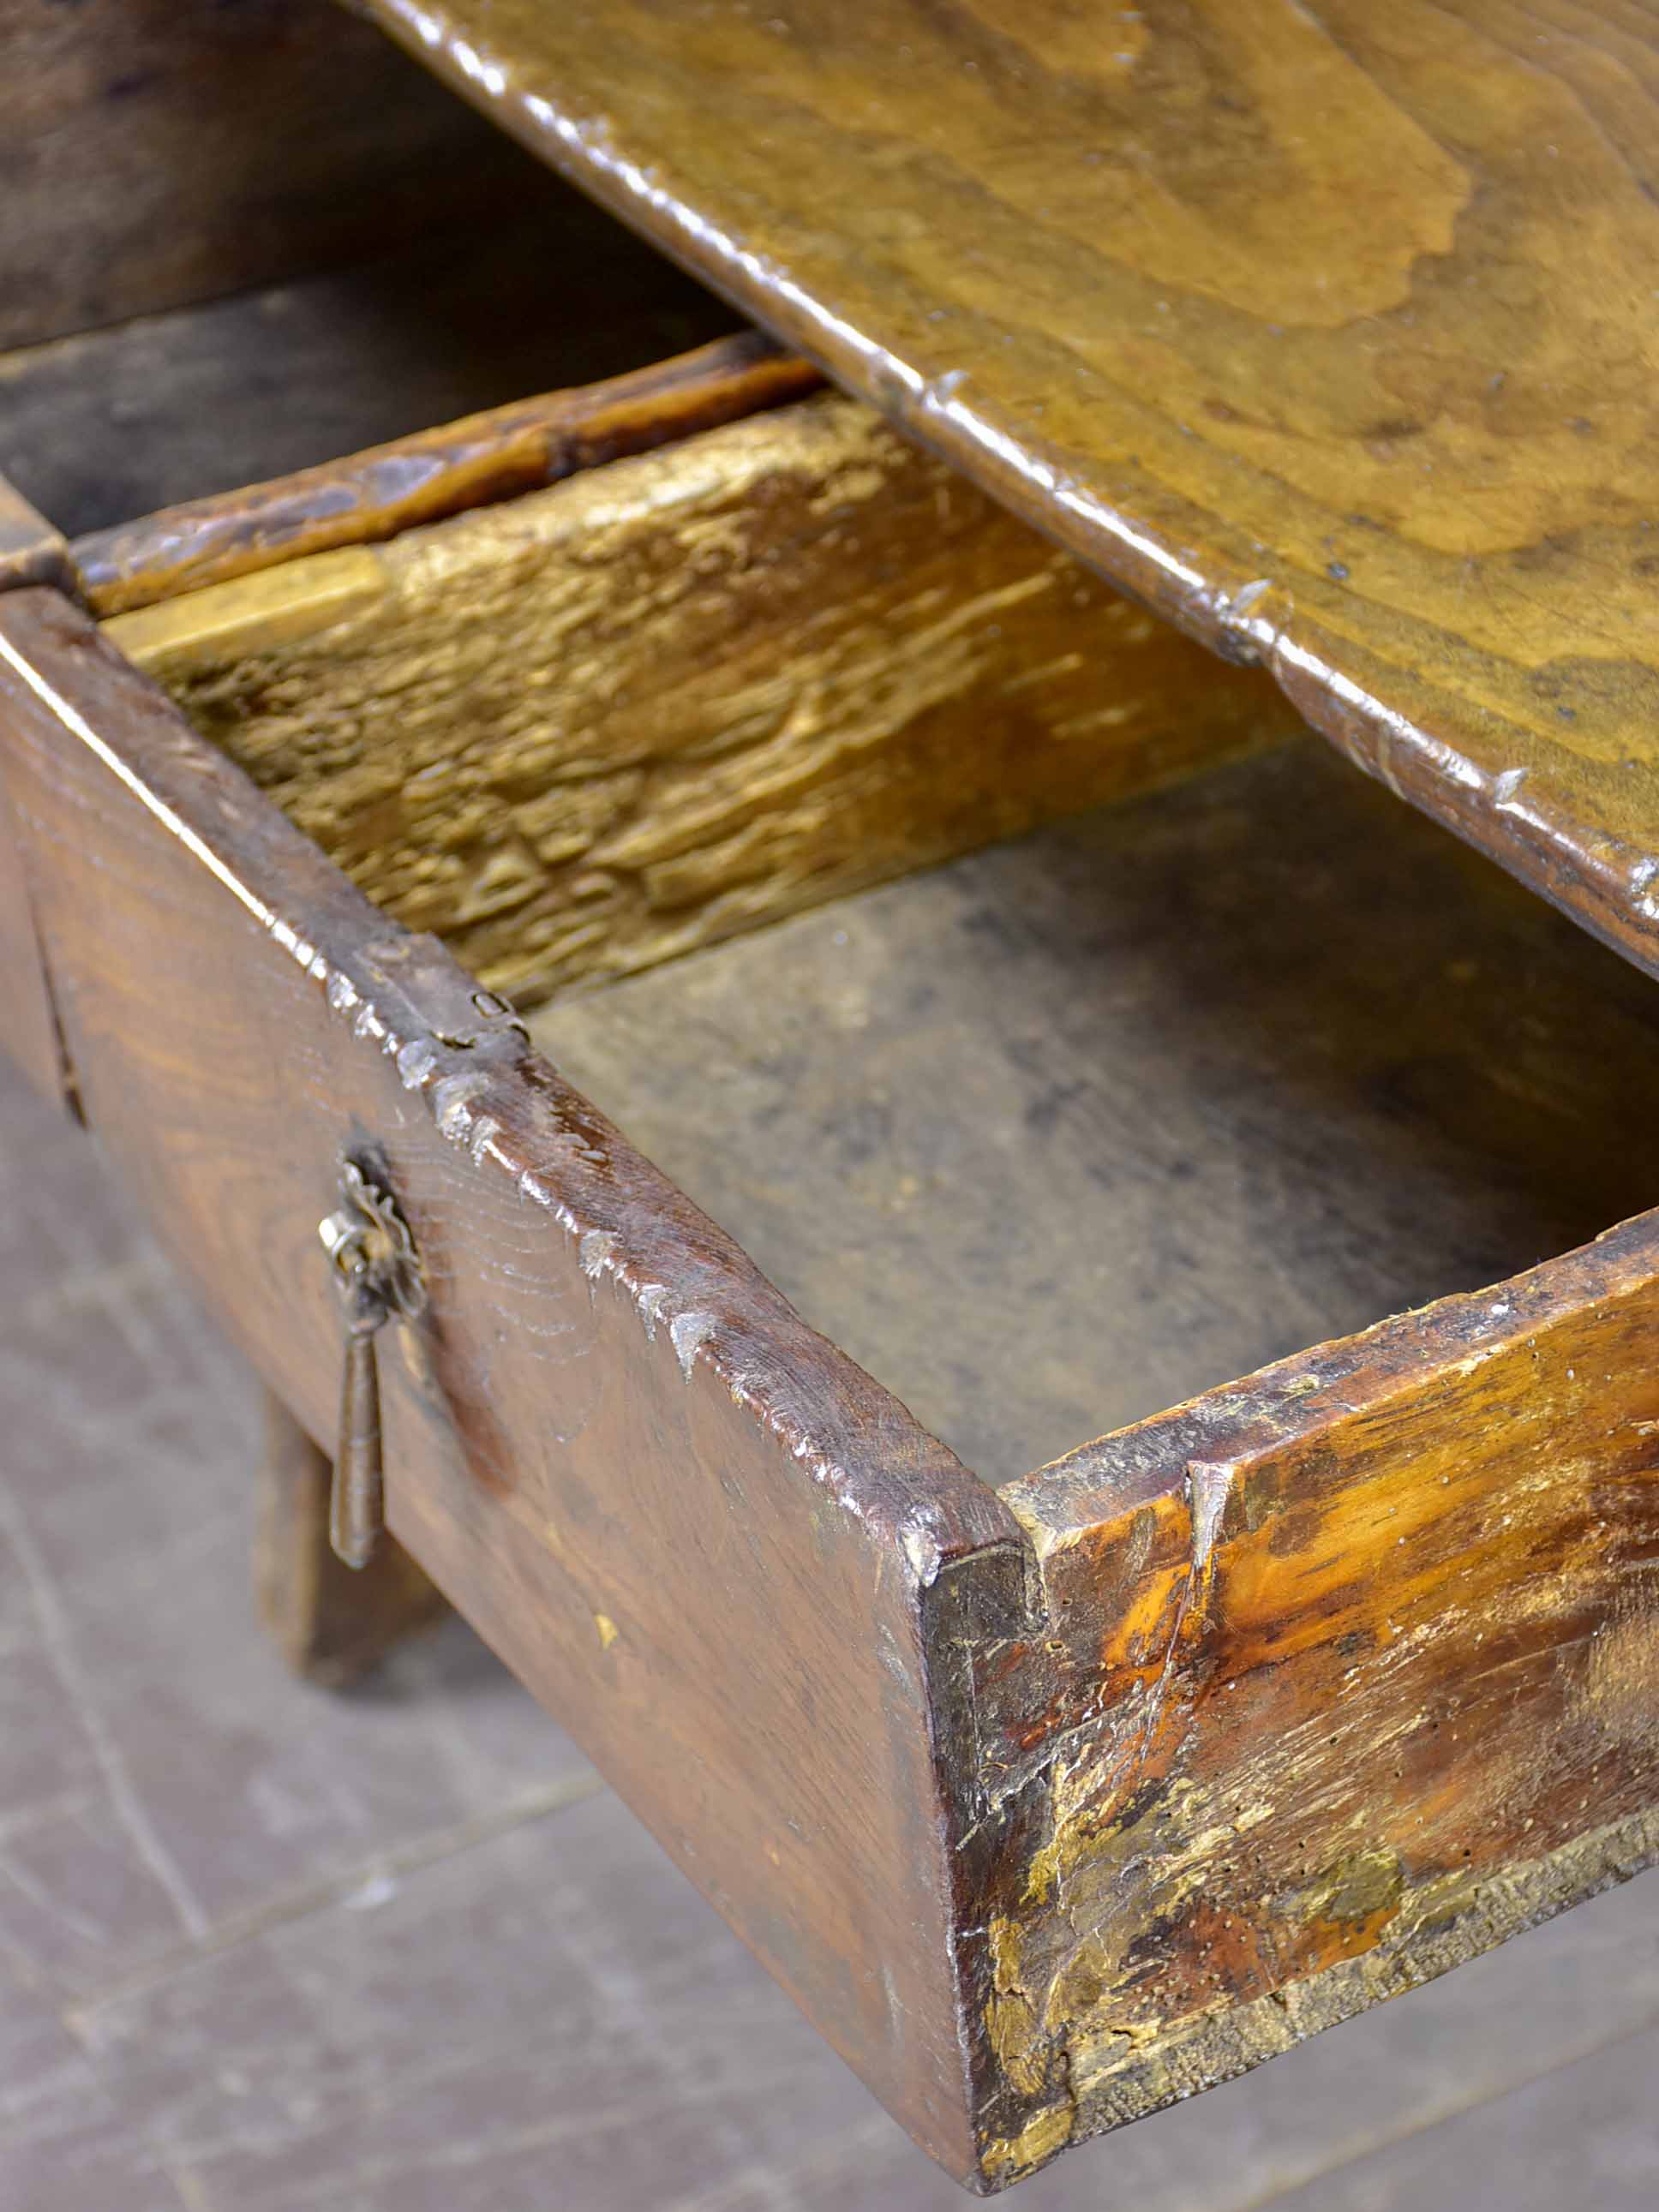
column 1439, row 1927
column 1011, row 2158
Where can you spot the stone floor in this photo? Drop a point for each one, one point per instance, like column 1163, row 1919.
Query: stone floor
column 262, row 1950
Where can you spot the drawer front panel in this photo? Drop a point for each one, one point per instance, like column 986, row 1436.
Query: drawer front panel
column 702, row 1536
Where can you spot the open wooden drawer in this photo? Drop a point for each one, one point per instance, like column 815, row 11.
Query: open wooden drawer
column 1051, row 1797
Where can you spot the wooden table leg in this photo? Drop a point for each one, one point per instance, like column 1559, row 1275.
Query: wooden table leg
column 331, row 1622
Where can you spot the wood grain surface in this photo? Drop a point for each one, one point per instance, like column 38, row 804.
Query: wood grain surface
column 1329, row 333
column 1054, row 1136
column 1349, row 1673
column 687, row 693
column 368, row 496
column 687, row 1522
column 158, row 151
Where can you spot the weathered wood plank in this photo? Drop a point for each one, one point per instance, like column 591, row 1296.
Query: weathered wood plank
column 1325, row 331
column 1349, row 1673
column 154, row 152
column 369, row 496
column 687, row 1522
column 688, row 693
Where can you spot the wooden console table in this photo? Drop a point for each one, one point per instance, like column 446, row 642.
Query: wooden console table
column 1325, row 335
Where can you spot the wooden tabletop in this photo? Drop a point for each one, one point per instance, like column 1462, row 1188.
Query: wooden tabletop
column 1330, row 330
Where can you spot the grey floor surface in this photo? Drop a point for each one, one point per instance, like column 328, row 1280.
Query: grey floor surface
column 263, row 1949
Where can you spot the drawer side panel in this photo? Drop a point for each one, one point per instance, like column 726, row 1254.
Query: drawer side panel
column 1352, row 1672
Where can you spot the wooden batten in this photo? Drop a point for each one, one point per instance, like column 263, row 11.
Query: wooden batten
column 682, row 695
column 368, row 496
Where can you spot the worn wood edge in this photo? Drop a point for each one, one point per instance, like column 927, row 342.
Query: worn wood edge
column 974, row 1605
column 366, row 497
column 1389, row 1361
column 779, row 660
column 1459, row 763
column 1447, row 1928
column 333, row 1625
column 1480, row 781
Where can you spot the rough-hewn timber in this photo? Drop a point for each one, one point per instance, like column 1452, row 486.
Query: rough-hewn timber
column 686, row 693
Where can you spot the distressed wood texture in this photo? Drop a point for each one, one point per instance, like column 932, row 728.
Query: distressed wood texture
column 1049, row 1805
column 158, row 151
column 689, row 1524
column 332, row 1623
column 1328, row 333
column 1408, row 1698
column 369, row 496
column 1348, row 1672
column 688, row 693
column 1379, row 1071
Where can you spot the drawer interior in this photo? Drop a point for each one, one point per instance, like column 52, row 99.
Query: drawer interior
column 1066, row 1131
column 1047, row 1137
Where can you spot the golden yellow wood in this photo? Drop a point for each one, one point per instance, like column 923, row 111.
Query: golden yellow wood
column 685, row 694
